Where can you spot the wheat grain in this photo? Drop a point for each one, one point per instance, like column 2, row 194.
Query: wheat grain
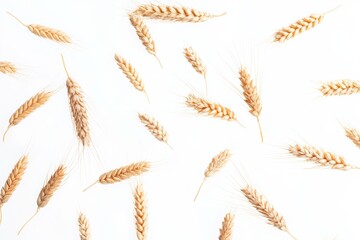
column 173, row 13
column 319, row 156
column 251, row 96
column 84, row 227
column 341, row 87
column 46, row 32
column 27, row 108
column 154, row 127
column 140, row 213
column 227, row 227
column 196, row 62
column 7, row 68
column 13, row 181
column 353, row 135
column 300, row 26
column 122, row 173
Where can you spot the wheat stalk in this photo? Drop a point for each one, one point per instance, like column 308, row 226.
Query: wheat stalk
column 78, row 109
column 84, row 227
column 341, row 87
column 45, row 32
column 140, row 213
column 196, row 62
column 131, row 73
column 251, row 96
column 214, row 166
column 261, row 204
column 13, row 181
column 48, row 191
column 155, row 128
column 353, row 135
column 227, row 227
column 173, row 13
column 319, row 156
column 122, row 173
column 7, row 68
column 27, row 108
column 144, row 35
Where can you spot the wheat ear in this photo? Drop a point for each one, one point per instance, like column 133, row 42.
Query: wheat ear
column 353, row 135
column 27, row 108
column 144, row 35
column 261, row 204
column 155, row 128
column 48, row 191
column 173, row 13
column 7, row 68
column 78, row 109
column 131, row 74
column 319, row 156
column 122, row 173
column 251, row 96
column 13, row 181
column 214, row 166
column 227, row 227
column 196, row 62
column 341, row 87
column 140, row 213
column 45, row 32
column 84, row 227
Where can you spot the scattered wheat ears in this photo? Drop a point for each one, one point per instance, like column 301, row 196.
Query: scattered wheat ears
column 251, row 96
column 141, row 220
column 122, row 173
column 27, row 108
column 84, row 228
column 45, row 32
column 13, row 181
column 196, row 62
column 227, row 227
column 214, row 166
column 173, row 13
column 353, row 135
column 341, row 87
column 7, row 68
column 48, row 191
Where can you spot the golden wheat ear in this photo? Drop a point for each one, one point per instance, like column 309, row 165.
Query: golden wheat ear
column 339, row 88
column 353, row 135
column 226, row 229
column 7, row 68
column 194, row 59
column 141, row 215
column 84, row 227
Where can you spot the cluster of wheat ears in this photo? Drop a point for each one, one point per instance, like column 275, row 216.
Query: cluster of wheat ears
column 247, row 85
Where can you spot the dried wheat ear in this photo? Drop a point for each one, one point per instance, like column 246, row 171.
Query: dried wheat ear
column 7, row 68
column 78, row 109
column 251, row 96
column 13, row 181
column 227, row 227
column 319, row 156
column 48, row 191
column 122, row 173
column 341, row 87
column 46, row 32
column 217, row 163
column 264, row 207
column 173, row 13
column 131, row 74
column 196, row 62
column 84, row 227
column 353, row 135
column 27, row 108
column 141, row 215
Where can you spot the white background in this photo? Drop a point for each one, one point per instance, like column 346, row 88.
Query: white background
column 316, row 203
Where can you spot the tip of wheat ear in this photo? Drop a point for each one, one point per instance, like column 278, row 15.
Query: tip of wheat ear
column 84, row 227
column 7, row 68
column 227, row 227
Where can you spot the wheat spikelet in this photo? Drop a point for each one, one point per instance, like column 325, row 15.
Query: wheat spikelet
column 78, row 109
column 353, row 135
column 196, row 62
column 27, row 108
column 227, row 227
column 319, row 156
column 140, row 213
column 122, row 173
column 84, row 227
column 46, row 32
column 204, row 106
column 13, row 181
column 342, row 87
column 173, row 13
column 251, row 96
column 7, row 68
column 48, row 191
column 300, row 26
column 261, row 204
column 131, row 73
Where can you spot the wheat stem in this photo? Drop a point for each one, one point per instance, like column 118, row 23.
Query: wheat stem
column 17, row 19
column 198, row 191
column 63, row 61
column 91, row 185
column 260, row 129
column 157, row 58
column 7, row 129
column 37, row 211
